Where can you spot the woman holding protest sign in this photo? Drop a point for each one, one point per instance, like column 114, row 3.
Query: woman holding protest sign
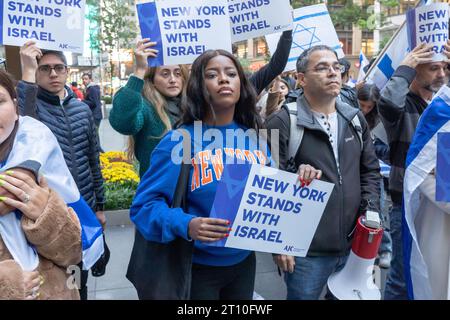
column 39, row 235
column 149, row 104
column 220, row 125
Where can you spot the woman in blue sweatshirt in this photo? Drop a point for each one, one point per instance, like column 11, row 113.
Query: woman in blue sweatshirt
column 219, row 107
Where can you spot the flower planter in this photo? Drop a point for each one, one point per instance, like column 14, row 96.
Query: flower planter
column 117, row 218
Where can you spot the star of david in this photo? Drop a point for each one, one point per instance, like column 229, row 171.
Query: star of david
column 308, row 38
column 233, row 185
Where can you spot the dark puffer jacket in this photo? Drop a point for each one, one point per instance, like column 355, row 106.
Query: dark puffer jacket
column 73, row 125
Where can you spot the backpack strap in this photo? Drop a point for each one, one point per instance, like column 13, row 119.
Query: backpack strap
column 357, row 125
column 296, row 132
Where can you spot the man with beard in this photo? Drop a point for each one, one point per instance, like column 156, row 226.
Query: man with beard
column 403, row 100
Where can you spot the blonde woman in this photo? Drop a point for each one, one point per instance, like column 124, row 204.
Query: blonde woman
column 148, row 105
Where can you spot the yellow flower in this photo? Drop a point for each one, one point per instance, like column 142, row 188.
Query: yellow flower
column 117, row 168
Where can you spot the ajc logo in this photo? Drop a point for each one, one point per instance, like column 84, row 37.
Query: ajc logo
column 292, row 249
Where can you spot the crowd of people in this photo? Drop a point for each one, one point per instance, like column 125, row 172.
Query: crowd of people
column 326, row 130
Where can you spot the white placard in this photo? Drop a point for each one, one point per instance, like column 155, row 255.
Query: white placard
column 184, row 30
column 312, row 26
column 255, row 18
column 53, row 24
column 429, row 24
column 269, row 210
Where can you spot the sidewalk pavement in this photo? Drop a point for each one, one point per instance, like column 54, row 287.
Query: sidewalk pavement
column 114, row 285
column 110, row 139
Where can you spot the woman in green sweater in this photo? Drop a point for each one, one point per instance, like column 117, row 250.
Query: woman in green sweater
column 148, row 105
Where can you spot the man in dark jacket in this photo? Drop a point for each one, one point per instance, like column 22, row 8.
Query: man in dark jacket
column 330, row 143
column 92, row 98
column 44, row 74
column 348, row 94
column 403, row 100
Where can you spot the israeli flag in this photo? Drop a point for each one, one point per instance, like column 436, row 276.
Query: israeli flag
column 35, row 142
column 363, row 62
column 392, row 57
column 420, row 161
column 385, row 169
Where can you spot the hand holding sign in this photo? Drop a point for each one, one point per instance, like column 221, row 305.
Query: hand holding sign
column 421, row 54
column 286, row 263
column 142, row 53
column 307, row 173
column 269, row 211
column 208, row 229
column 29, row 55
column 429, row 24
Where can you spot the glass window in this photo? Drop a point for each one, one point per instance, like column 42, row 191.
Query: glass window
column 242, row 49
column 259, row 47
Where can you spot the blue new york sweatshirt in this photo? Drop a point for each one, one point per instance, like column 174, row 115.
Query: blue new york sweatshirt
column 151, row 210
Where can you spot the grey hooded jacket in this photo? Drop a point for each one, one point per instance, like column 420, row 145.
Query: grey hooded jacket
column 357, row 181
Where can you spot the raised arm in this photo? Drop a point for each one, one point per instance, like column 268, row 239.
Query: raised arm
column 129, row 107
column 393, row 96
column 263, row 77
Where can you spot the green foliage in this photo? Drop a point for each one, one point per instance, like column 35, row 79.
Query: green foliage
column 389, row 3
column 119, row 196
column 301, row 3
column 92, row 17
column 345, row 12
column 107, row 99
column 111, row 26
column 245, row 63
column 383, row 42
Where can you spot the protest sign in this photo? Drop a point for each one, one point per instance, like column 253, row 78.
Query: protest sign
column 443, row 167
column 53, row 24
column 429, row 24
column 255, row 18
column 312, row 26
column 184, row 30
column 268, row 209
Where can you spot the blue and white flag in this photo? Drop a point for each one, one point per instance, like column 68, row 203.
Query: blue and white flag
column 363, row 62
column 35, row 142
column 312, row 26
column 392, row 57
column 385, row 169
column 420, row 161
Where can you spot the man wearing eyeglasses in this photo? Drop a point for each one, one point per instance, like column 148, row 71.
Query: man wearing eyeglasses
column 403, row 100
column 339, row 145
column 44, row 95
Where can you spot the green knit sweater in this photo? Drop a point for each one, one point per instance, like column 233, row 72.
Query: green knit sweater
column 134, row 115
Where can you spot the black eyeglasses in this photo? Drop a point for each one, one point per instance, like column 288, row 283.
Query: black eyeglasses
column 47, row 69
column 338, row 68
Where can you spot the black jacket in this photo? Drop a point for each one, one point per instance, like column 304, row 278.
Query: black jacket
column 92, row 99
column 74, row 128
column 264, row 76
column 356, row 183
column 348, row 95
